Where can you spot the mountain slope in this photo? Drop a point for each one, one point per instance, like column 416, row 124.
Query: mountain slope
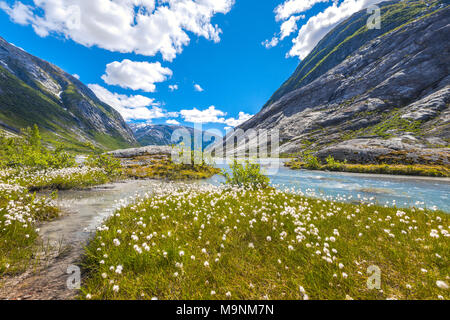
column 372, row 94
column 33, row 91
column 161, row 134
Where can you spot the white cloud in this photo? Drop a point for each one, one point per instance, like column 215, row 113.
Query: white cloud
column 318, row 26
column 231, row 122
column 289, row 26
column 291, row 7
column 198, row 88
column 19, row 13
column 76, row 76
column 136, row 75
column 270, row 43
column 135, row 107
column 172, row 121
column 142, row 26
column 210, row 115
column 173, row 87
column 213, row 115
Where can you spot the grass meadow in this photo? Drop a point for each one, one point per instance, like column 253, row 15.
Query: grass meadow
column 236, row 243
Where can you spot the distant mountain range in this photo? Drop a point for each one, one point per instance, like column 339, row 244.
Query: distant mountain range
column 33, row 91
column 160, row 134
column 363, row 95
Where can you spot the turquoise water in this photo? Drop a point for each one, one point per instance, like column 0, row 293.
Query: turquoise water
column 402, row 191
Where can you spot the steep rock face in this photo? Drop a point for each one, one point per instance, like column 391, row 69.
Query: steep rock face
column 394, row 87
column 33, row 91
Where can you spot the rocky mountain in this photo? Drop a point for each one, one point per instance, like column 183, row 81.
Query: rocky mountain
column 161, row 134
column 370, row 95
column 33, row 91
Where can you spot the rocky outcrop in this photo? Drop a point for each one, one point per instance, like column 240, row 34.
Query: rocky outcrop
column 33, row 91
column 386, row 86
column 143, row 151
column 391, row 151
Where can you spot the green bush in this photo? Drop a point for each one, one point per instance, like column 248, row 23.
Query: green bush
column 248, row 175
column 333, row 164
column 311, row 162
column 112, row 166
column 28, row 151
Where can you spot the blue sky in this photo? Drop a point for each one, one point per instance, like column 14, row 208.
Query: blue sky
column 237, row 73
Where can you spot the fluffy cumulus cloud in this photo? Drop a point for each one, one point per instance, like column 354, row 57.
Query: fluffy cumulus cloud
column 135, row 107
column 173, row 87
column 198, row 88
column 232, row 122
column 271, row 43
column 316, row 27
column 172, row 121
column 210, row 115
column 290, row 7
column 145, row 27
column 213, row 115
column 289, row 26
column 135, row 75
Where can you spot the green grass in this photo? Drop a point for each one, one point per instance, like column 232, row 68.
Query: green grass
column 20, row 213
column 57, row 179
column 158, row 247
column 162, row 168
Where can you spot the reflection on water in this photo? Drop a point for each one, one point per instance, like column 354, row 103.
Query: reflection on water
column 84, row 210
column 402, row 191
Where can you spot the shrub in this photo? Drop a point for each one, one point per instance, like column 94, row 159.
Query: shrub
column 311, row 162
column 112, row 166
column 333, row 164
column 248, row 175
column 28, row 151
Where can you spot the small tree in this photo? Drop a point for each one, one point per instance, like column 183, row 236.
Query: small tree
column 247, row 175
column 311, row 161
column 107, row 162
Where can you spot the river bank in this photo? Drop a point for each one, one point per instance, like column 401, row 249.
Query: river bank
column 391, row 169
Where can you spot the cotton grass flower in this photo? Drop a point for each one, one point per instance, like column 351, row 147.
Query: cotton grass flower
column 442, row 284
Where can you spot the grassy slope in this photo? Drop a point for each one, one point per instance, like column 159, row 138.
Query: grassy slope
column 162, row 241
column 22, row 106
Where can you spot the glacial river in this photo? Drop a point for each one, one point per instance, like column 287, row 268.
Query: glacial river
column 402, row 191
column 84, row 210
